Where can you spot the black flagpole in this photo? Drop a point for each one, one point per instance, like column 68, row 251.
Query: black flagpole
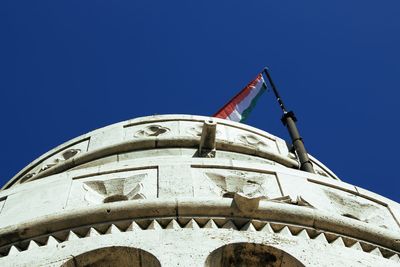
column 289, row 120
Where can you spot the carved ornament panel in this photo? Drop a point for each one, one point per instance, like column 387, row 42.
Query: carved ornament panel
column 111, row 187
column 57, row 158
column 225, row 183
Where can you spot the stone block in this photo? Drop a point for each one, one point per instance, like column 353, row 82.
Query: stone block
column 37, row 199
column 106, row 137
column 175, row 181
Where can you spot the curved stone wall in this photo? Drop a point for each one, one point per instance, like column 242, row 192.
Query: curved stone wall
column 167, row 131
column 158, row 183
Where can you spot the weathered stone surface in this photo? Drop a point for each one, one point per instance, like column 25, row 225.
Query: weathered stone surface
column 165, row 191
column 36, row 200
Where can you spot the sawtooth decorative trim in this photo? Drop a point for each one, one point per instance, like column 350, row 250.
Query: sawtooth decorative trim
column 159, row 224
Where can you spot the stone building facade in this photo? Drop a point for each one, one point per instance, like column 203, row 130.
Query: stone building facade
column 180, row 190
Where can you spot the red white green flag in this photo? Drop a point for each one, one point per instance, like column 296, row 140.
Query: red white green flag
column 239, row 108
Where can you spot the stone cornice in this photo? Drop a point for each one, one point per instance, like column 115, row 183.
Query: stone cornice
column 268, row 211
column 153, row 143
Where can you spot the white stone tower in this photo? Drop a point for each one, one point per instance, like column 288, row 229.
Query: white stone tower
column 179, row 190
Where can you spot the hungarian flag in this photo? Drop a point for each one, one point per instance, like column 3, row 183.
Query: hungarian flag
column 239, row 108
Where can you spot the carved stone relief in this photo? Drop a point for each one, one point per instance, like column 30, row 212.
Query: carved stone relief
column 335, row 200
column 226, row 183
column 252, row 140
column 195, row 130
column 117, row 189
column 359, row 208
column 238, row 182
column 152, row 130
column 59, row 157
column 111, row 187
column 63, row 156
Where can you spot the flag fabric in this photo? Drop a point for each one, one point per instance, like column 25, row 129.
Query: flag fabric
column 239, row 108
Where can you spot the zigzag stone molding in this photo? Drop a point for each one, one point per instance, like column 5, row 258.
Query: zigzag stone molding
column 159, row 224
column 128, row 211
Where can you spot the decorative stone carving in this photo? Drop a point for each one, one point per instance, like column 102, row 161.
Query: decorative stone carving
column 260, row 227
column 239, row 182
column 69, row 153
column 222, row 182
column 64, row 219
column 195, row 130
column 50, row 164
column 26, row 177
column 358, row 208
column 252, row 140
column 118, row 189
column 152, row 130
column 55, row 160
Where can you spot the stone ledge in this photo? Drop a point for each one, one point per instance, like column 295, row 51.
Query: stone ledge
column 189, row 223
column 268, row 211
column 150, row 143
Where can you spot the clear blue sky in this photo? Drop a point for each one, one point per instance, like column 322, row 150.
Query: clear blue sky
column 68, row 67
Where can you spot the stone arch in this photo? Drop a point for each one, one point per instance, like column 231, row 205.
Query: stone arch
column 114, row 256
column 250, row 254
